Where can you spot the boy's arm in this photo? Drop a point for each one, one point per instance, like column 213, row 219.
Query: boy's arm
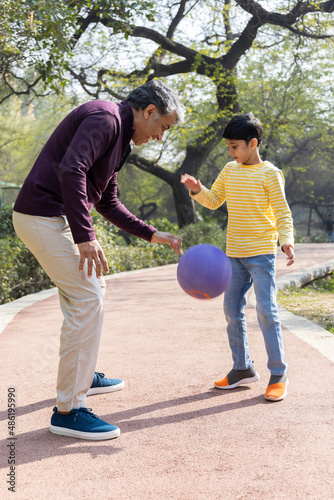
column 282, row 214
column 210, row 198
column 288, row 250
column 194, row 185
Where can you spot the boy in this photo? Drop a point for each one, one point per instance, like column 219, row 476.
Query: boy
column 258, row 213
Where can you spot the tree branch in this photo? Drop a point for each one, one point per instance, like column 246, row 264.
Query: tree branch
column 29, row 87
column 170, row 69
column 151, row 167
column 244, row 42
column 261, row 16
column 227, row 21
column 287, row 20
column 177, row 19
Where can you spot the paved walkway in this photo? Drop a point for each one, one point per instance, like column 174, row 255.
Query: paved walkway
column 181, row 438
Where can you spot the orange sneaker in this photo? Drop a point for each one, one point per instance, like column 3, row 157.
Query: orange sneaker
column 237, row 377
column 277, row 388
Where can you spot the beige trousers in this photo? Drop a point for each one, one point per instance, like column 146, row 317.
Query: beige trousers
column 81, row 300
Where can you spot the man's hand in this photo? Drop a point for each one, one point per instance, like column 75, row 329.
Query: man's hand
column 193, row 184
column 175, row 242
column 92, row 251
column 288, row 250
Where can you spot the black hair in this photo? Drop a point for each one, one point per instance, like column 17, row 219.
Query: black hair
column 244, row 127
column 157, row 93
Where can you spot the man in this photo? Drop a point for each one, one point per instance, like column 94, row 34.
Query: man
column 76, row 170
column 329, row 225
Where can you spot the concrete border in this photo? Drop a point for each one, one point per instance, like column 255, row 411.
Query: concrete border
column 319, row 338
column 305, row 275
column 315, row 335
column 11, row 309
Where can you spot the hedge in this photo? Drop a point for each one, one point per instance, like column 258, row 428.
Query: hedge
column 21, row 274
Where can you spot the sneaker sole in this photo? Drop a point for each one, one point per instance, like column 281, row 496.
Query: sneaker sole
column 240, row 382
column 91, row 436
column 105, row 389
column 270, row 398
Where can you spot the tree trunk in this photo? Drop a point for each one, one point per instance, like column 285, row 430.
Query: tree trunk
column 309, row 222
column 184, row 204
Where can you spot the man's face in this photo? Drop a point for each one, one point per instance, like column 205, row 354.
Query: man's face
column 150, row 125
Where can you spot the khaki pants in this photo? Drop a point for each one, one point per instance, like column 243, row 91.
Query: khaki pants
column 81, row 300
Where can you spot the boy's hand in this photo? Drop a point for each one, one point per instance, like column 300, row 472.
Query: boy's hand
column 193, row 184
column 288, row 250
column 175, row 242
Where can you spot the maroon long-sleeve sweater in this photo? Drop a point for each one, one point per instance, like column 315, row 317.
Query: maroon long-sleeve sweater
column 77, row 169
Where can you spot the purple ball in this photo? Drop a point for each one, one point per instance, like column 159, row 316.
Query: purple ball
column 204, row 271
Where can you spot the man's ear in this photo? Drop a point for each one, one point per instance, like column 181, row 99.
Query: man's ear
column 254, row 143
column 150, row 110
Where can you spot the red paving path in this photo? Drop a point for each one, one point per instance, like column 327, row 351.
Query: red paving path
column 181, row 438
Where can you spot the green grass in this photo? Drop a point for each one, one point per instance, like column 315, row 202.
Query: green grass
column 314, row 301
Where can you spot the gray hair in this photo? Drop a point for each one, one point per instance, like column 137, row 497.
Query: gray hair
column 157, row 93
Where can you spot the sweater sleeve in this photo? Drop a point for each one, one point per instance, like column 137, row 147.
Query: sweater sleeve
column 88, row 144
column 280, row 207
column 212, row 198
column 115, row 212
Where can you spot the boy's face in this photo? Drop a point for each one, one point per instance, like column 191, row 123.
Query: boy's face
column 243, row 152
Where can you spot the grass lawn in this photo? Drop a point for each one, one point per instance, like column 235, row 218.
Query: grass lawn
column 314, row 301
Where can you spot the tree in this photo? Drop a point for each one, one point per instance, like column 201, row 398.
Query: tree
column 229, row 31
column 195, row 45
column 298, row 113
column 25, row 127
column 34, row 38
column 37, row 38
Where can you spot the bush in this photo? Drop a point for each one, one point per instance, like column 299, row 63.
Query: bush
column 319, row 237
column 21, row 273
column 203, row 232
column 6, row 224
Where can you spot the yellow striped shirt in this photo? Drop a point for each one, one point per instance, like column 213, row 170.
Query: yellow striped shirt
column 258, row 213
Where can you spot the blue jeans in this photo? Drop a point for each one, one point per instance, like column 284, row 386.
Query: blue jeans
column 260, row 270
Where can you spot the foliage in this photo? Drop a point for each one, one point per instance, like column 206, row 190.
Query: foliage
column 319, row 237
column 325, row 284
column 6, row 224
column 222, row 57
column 201, row 47
column 298, row 117
column 146, row 195
column 37, row 38
column 25, row 127
column 20, row 273
column 140, row 254
column 207, row 61
column 204, row 232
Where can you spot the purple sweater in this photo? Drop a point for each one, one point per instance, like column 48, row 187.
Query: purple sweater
column 77, row 169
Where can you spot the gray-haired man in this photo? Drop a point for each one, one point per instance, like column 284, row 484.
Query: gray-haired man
column 75, row 171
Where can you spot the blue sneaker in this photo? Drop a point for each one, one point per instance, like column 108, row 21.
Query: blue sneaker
column 101, row 384
column 83, row 424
